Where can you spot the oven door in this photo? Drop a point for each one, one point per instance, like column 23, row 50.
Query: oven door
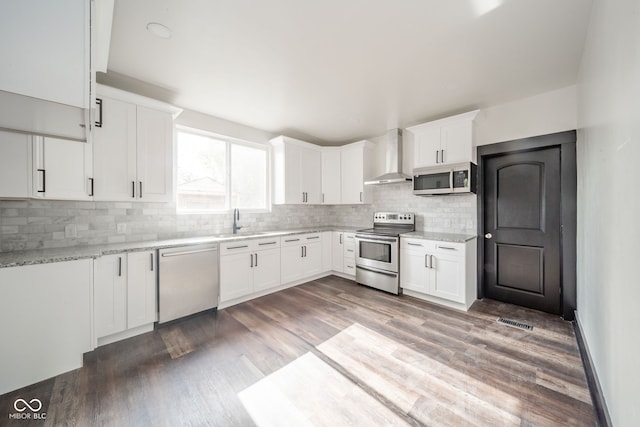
column 379, row 252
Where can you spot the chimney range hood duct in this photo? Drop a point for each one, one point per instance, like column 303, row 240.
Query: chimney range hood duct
column 393, row 160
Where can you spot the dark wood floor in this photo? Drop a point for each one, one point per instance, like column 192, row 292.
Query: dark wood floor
column 328, row 352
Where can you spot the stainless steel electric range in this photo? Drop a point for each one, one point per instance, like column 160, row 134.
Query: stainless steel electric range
column 378, row 250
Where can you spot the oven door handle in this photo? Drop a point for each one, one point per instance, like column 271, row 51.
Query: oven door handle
column 375, row 239
column 386, row 273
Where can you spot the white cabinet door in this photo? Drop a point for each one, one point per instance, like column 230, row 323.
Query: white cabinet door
column 15, row 165
column 337, row 252
column 456, row 142
column 154, row 156
column 312, row 260
column 236, row 276
column 46, row 50
column 327, row 249
column 45, row 321
column 427, row 146
column 62, row 169
column 291, row 265
column 449, row 279
column 114, row 152
column 110, row 294
column 266, row 269
column 311, row 176
column 415, row 274
column 331, row 176
column 352, row 161
column 141, row 288
column 292, row 181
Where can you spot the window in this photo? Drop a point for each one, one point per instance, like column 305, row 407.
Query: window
column 217, row 173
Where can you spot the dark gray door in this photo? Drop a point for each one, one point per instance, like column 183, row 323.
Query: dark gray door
column 522, row 226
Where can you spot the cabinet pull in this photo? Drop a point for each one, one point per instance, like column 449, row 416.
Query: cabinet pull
column 151, row 261
column 119, row 266
column 44, row 180
column 426, row 261
column 98, row 124
column 256, row 260
column 449, row 248
column 349, row 250
column 91, row 187
column 267, row 243
column 313, row 237
column 437, row 153
column 133, row 189
column 291, row 240
column 238, row 247
column 322, row 197
column 340, row 238
column 141, row 189
column 361, row 196
column 251, row 258
column 442, row 156
column 305, row 251
column 301, row 251
column 414, row 244
column 303, row 200
column 430, row 261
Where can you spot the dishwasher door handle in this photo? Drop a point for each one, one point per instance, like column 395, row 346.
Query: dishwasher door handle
column 170, row 254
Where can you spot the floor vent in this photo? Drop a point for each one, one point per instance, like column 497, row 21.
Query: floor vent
column 515, row 324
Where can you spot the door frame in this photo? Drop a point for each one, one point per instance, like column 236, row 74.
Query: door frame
column 566, row 141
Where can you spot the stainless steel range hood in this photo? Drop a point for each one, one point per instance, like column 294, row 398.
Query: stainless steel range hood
column 393, row 160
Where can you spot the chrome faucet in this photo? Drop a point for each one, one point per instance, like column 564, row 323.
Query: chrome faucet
column 236, row 218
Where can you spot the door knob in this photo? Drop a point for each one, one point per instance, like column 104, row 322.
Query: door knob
column 488, row 236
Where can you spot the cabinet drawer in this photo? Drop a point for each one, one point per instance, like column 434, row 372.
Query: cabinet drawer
column 265, row 243
column 350, row 268
column 349, row 251
column 230, row 248
column 418, row 244
column 450, row 248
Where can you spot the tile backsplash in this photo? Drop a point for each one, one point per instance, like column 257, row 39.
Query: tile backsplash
column 36, row 224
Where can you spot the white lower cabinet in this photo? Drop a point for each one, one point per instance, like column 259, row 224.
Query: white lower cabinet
column 45, row 321
column 248, row 267
column 349, row 254
column 301, row 256
column 337, row 251
column 125, row 287
column 443, row 272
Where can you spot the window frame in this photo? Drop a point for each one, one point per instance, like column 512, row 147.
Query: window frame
column 229, row 141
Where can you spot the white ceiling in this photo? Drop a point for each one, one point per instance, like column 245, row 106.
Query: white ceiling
column 340, row 70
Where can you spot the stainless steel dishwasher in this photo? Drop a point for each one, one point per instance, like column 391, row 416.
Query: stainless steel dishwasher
column 188, row 280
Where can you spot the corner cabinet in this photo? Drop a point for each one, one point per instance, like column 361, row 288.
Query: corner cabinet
column 125, row 301
column 446, row 141
column 441, row 272
column 132, row 148
column 296, row 172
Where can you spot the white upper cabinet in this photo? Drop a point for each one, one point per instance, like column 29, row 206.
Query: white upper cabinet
column 15, row 165
column 355, row 169
column 133, row 148
column 344, row 170
column 331, row 173
column 45, row 52
column 297, row 172
column 46, row 77
column 445, row 141
column 61, row 169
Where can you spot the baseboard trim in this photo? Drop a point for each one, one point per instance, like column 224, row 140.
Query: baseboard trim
column 597, row 397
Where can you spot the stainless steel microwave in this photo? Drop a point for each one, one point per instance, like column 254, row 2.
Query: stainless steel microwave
column 445, row 179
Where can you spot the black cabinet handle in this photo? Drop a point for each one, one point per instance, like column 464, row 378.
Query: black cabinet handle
column 256, row 260
column 251, row 258
column 141, row 189
column 133, row 189
column 91, row 187
column 119, row 266
column 44, row 180
column 151, row 261
column 98, row 124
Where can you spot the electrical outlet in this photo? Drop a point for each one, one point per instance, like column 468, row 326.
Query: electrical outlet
column 121, row 228
column 70, row 231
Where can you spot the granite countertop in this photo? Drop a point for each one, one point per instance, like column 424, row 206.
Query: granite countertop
column 441, row 237
column 42, row 256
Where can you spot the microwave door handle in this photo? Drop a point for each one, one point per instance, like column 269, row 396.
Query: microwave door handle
column 451, row 180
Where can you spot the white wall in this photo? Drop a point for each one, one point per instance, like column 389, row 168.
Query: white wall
column 609, row 203
column 548, row 112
